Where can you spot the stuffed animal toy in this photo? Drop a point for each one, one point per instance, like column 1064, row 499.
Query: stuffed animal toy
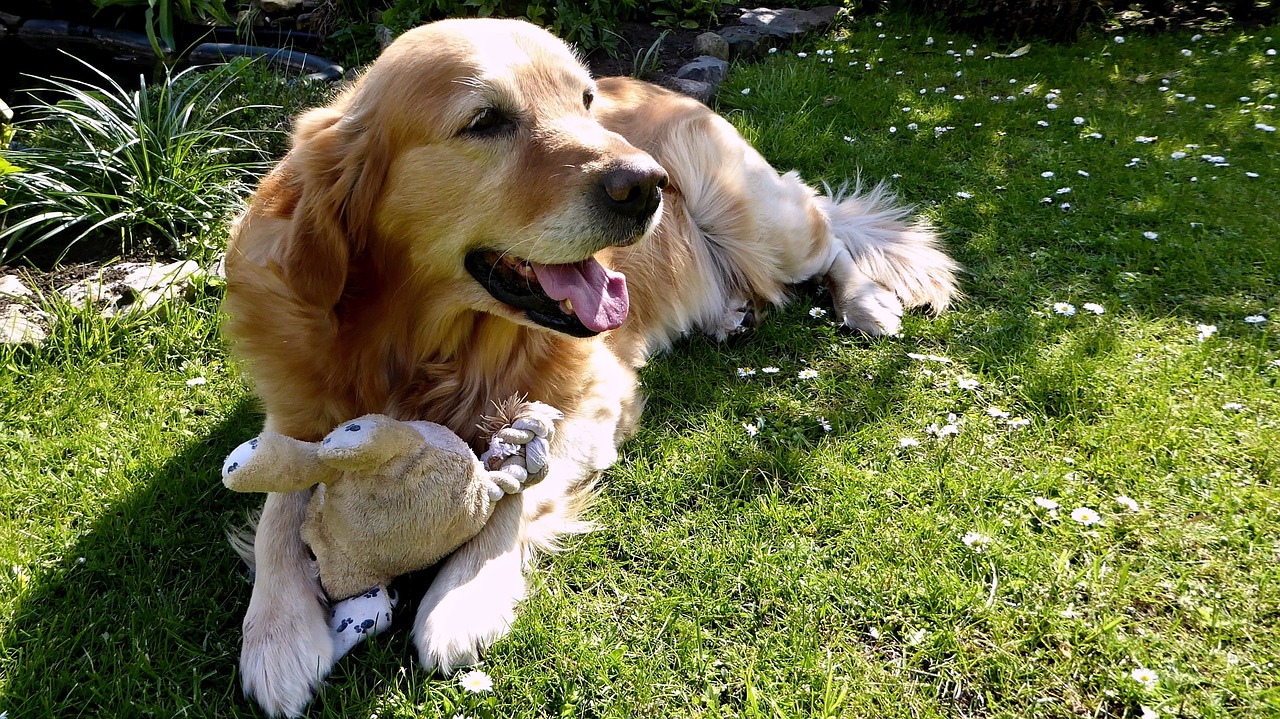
column 392, row 497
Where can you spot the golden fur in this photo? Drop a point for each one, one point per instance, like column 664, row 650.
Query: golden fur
column 347, row 294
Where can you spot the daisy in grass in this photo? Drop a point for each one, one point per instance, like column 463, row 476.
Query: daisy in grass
column 476, row 682
column 1232, row 407
column 967, row 383
column 807, row 374
column 1066, row 309
column 1148, row 713
column 817, row 312
column 1094, row 307
column 908, row 442
column 1046, row 503
column 1018, row 423
column 1146, row 677
column 770, row 370
column 997, row 413
column 751, row 429
column 1204, row 332
column 1128, row 503
column 1250, row 320
column 976, row 541
column 1085, row 516
column 746, row 372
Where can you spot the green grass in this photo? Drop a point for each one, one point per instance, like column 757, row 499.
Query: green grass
column 798, row 572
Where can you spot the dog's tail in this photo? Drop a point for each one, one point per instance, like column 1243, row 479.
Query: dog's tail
column 901, row 255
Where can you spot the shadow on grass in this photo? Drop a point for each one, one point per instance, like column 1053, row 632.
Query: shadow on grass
column 141, row 616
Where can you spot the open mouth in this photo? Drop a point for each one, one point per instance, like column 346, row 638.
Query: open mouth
column 581, row 299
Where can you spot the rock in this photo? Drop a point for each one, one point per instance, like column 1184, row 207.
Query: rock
column 783, row 22
column 709, row 43
column 13, row 286
column 826, row 14
column 276, row 7
column 9, row 19
column 711, row 70
column 746, row 42
column 703, row 92
column 132, row 286
column 21, row 324
column 384, row 36
column 306, row 21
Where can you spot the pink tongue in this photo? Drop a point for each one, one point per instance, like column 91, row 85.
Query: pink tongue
column 598, row 295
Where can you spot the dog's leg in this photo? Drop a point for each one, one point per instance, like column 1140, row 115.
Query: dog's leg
column 739, row 316
column 471, row 603
column 288, row 648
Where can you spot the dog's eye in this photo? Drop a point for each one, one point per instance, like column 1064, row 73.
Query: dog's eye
column 490, row 121
column 588, row 97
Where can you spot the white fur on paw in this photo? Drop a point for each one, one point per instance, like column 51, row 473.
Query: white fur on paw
column 737, row 318
column 453, row 628
column 239, row 457
column 350, row 434
column 284, row 660
column 357, row 618
column 874, row 310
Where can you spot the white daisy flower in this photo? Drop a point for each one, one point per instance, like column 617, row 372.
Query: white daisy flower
column 1085, row 516
column 1066, row 309
column 1146, row 677
column 1148, row 713
column 1144, row 139
column 967, row 383
column 1018, row 423
column 1095, row 135
column 746, row 91
column 1119, row 39
column 196, row 381
column 746, row 371
column 1094, row 307
column 1151, row 235
column 964, row 195
column 1177, row 154
column 1047, row 174
column 1046, row 503
column 751, row 429
column 817, row 312
column 1204, row 332
column 1064, row 190
column 1082, row 173
column 997, row 413
column 825, row 424
column 1042, row 123
column 1128, row 503
column 1255, row 319
column 1186, row 53
column 1078, row 120
column 948, row 430
column 1232, row 407
column 476, row 682
column 807, row 374
column 905, row 442
column 976, row 541
column 770, row 370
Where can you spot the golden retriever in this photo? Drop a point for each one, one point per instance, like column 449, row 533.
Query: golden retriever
column 477, row 217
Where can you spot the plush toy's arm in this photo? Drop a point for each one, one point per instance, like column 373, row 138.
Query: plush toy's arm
column 521, row 442
column 273, row 462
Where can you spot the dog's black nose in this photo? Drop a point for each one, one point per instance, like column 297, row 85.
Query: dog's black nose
column 634, row 189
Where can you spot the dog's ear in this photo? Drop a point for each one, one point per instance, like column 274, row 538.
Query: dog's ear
column 339, row 166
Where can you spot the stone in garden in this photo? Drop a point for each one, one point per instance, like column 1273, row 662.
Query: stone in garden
column 701, row 91
column 709, row 43
column 13, row 286
column 21, row 324
column 711, row 70
column 783, row 22
column 306, row 22
column 384, row 36
column 747, row 41
column 277, row 6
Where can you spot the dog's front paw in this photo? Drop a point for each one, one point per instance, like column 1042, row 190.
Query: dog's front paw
column 454, row 626
column 288, row 650
column 871, row 309
column 521, row 448
column 739, row 316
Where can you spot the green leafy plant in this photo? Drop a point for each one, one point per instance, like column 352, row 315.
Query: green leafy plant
column 646, row 62
column 148, row 170
column 160, row 15
column 6, row 136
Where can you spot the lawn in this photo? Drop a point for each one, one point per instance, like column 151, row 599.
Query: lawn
column 1058, row 499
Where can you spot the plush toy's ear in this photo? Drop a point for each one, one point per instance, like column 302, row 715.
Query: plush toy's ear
column 369, row 442
column 273, row 462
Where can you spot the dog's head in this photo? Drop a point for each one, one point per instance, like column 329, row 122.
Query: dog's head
column 468, row 155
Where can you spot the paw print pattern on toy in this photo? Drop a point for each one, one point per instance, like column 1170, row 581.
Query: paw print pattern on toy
column 239, row 456
column 519, row 452
column 360, row 617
